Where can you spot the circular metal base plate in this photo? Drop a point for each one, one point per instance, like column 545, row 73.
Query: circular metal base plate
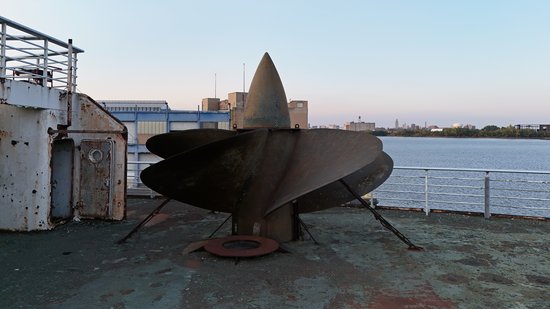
column 241, row 246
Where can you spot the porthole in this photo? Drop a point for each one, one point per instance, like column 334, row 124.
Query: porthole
column 95, row 155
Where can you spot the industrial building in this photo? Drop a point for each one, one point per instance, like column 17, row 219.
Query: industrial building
column 298, row 111
column 62, row 155
column 360, row 126
column 235, row 103
column 146, row 118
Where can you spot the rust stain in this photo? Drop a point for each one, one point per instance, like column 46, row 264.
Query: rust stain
column 424, row 297
column 192, row 263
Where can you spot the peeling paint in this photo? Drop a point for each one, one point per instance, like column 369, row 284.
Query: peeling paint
column 5, row 133
column 28, row 167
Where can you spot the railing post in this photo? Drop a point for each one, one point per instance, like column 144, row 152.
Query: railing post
column 372, row 199
column 3, row 51
column 70, row 66
column 45, row 64
column 70, row 84
column 137, row 172
column 75, row 67
column 487, row 212
column 426, row 206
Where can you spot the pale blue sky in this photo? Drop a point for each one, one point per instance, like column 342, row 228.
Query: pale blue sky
column 435, row 61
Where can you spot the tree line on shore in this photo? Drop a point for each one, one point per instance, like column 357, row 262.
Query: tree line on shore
column 487, row 131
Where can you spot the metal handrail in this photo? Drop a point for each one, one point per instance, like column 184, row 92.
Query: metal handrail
column 466, row 197
column 26, row 60
column 134, row 169
column 452, row 169
column 533, row 192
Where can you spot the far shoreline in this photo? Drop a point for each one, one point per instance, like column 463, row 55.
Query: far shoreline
column 460, row 137
column 509, row 132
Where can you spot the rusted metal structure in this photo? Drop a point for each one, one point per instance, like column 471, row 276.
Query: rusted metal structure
column 62, row 155
column 267, row 173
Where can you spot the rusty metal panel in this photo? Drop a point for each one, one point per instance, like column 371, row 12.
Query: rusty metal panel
column 25, row 167
column 91, row 116
column 29, row 95
column 26, row 199
column 96, row 168
column 62, row 165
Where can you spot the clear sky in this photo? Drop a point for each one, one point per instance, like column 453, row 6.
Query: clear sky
column 436, row 61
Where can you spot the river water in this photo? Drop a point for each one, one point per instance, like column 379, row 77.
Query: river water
column 482, row 153
column 511, row 193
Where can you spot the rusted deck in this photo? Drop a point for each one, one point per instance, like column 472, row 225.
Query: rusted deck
column 469, row 262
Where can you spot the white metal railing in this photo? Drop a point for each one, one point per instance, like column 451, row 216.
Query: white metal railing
column 511, row 192
column 135, row 186
column 34, row 57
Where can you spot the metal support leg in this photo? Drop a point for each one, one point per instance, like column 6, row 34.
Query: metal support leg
column 144, row 221
column 219, row 227
column 427, row 205
column 307, row 230
column 379, row 217
column 487, row 210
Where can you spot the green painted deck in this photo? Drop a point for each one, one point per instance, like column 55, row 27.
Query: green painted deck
column 468, row 262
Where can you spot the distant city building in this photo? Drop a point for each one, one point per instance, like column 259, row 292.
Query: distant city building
column 359, row 126
column 236, row 107
column 224, row 105
column 536, row 127
column 298, row 111
column 333, row 126
column 236, row 101
column 458, row 125
column 397, row 123
column 211, row 104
